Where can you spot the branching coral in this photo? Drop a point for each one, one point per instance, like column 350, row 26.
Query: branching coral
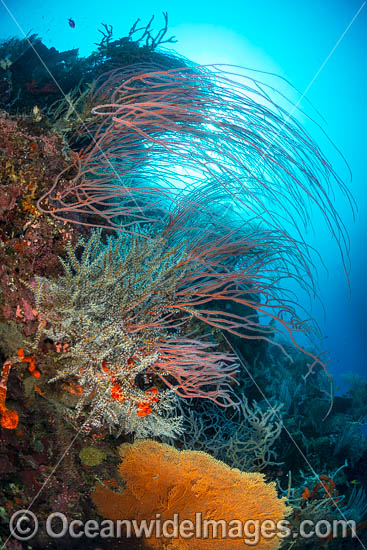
column 251, row 447
column 119, row 311
column 244, row 440
column 186, row 483
column 139, row 43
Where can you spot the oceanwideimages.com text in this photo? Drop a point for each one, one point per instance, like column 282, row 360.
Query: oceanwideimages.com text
column 24, row 526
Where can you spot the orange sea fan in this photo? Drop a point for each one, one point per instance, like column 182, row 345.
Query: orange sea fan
column 162, row 480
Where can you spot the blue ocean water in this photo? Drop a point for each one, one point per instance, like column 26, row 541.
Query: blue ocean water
column 320, row 48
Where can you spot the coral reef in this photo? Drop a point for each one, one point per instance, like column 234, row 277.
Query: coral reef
column 160, row 142
column 175, row 319
column 30, row 243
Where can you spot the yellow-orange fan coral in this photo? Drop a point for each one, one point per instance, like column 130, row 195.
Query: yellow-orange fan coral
column 162, row 481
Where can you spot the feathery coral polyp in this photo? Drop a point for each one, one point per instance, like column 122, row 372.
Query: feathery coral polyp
column 115, row 308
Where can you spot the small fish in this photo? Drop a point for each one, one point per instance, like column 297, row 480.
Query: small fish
column 71, row 23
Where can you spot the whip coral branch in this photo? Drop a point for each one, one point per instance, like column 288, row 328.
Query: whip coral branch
column 196, row 132
column 196, row 370
column 237, row 270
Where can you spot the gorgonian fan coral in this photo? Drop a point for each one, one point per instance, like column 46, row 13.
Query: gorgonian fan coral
column 189, row 483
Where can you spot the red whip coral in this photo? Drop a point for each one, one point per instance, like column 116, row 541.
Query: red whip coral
column 207, row 130
column 162, row 480
column 204, row 141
